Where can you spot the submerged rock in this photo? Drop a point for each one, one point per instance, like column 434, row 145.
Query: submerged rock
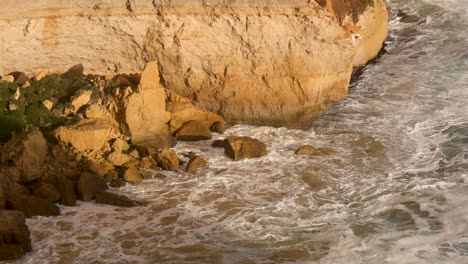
column 306, row 150
column 238, row 148
column 14, row 235
column 115, row 199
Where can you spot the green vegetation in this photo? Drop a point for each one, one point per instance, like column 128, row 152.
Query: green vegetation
column 28, row 109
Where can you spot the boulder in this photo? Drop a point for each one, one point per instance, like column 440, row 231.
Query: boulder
column 111, row 176
column 86, row 135
column 46, row 191
column 145, row 112
column 117, row 183
column 14, row 235
column 8, row 78
column 238, row 148
column 21, row 78
column 98, row 168
column 67, row 190
column 219, row 143
column 183, row 112
column 306, row 150
column 25, row 154
column 32, row 206
column 167, row 159
column 160, row 176
column 90, row 184
column 132, row 175
column 80, row 99
column 119, row 159
column 120, row 145
column 147, row 162
column 194, row 131
column 195, row 163
column 115, row 199
column 48, row 104
column 74, row 71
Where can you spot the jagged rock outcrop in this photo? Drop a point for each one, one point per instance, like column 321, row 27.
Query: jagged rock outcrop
column 145, row 111
column 86, row 135
column 24, row 155
column 261, row 62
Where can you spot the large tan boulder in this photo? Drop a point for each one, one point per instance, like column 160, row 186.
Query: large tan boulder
column 86, row 135
column 262, row 62
column 14, row 235
column 167, row 159
column 25, row 155
column 238, row 148
column 132, row 175
column 184, row 113
column 119, row 159
column 194, row 131
column 145, row 112
column 98, row 168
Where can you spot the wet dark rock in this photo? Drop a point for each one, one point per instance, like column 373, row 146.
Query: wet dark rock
column 115, row 199
column 47, row 191
column 67, row 190
column 14, row 235
column 32, row 206
column 117, row 183
column 218, row 143
column 90, row 184
column 238, row 148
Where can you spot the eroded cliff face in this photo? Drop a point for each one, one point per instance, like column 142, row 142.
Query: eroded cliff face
column 258, row 62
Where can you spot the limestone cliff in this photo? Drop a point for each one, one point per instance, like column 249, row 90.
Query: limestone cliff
column 261, row 62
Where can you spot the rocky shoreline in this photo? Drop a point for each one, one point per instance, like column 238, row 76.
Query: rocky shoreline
column 71, row 136
column 110, row 132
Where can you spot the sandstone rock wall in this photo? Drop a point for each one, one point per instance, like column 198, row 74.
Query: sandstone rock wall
column 261, row 62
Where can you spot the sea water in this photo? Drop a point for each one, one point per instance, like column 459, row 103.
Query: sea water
column 390, row 186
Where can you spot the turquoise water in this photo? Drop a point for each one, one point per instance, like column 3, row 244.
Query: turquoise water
column 390, row 187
